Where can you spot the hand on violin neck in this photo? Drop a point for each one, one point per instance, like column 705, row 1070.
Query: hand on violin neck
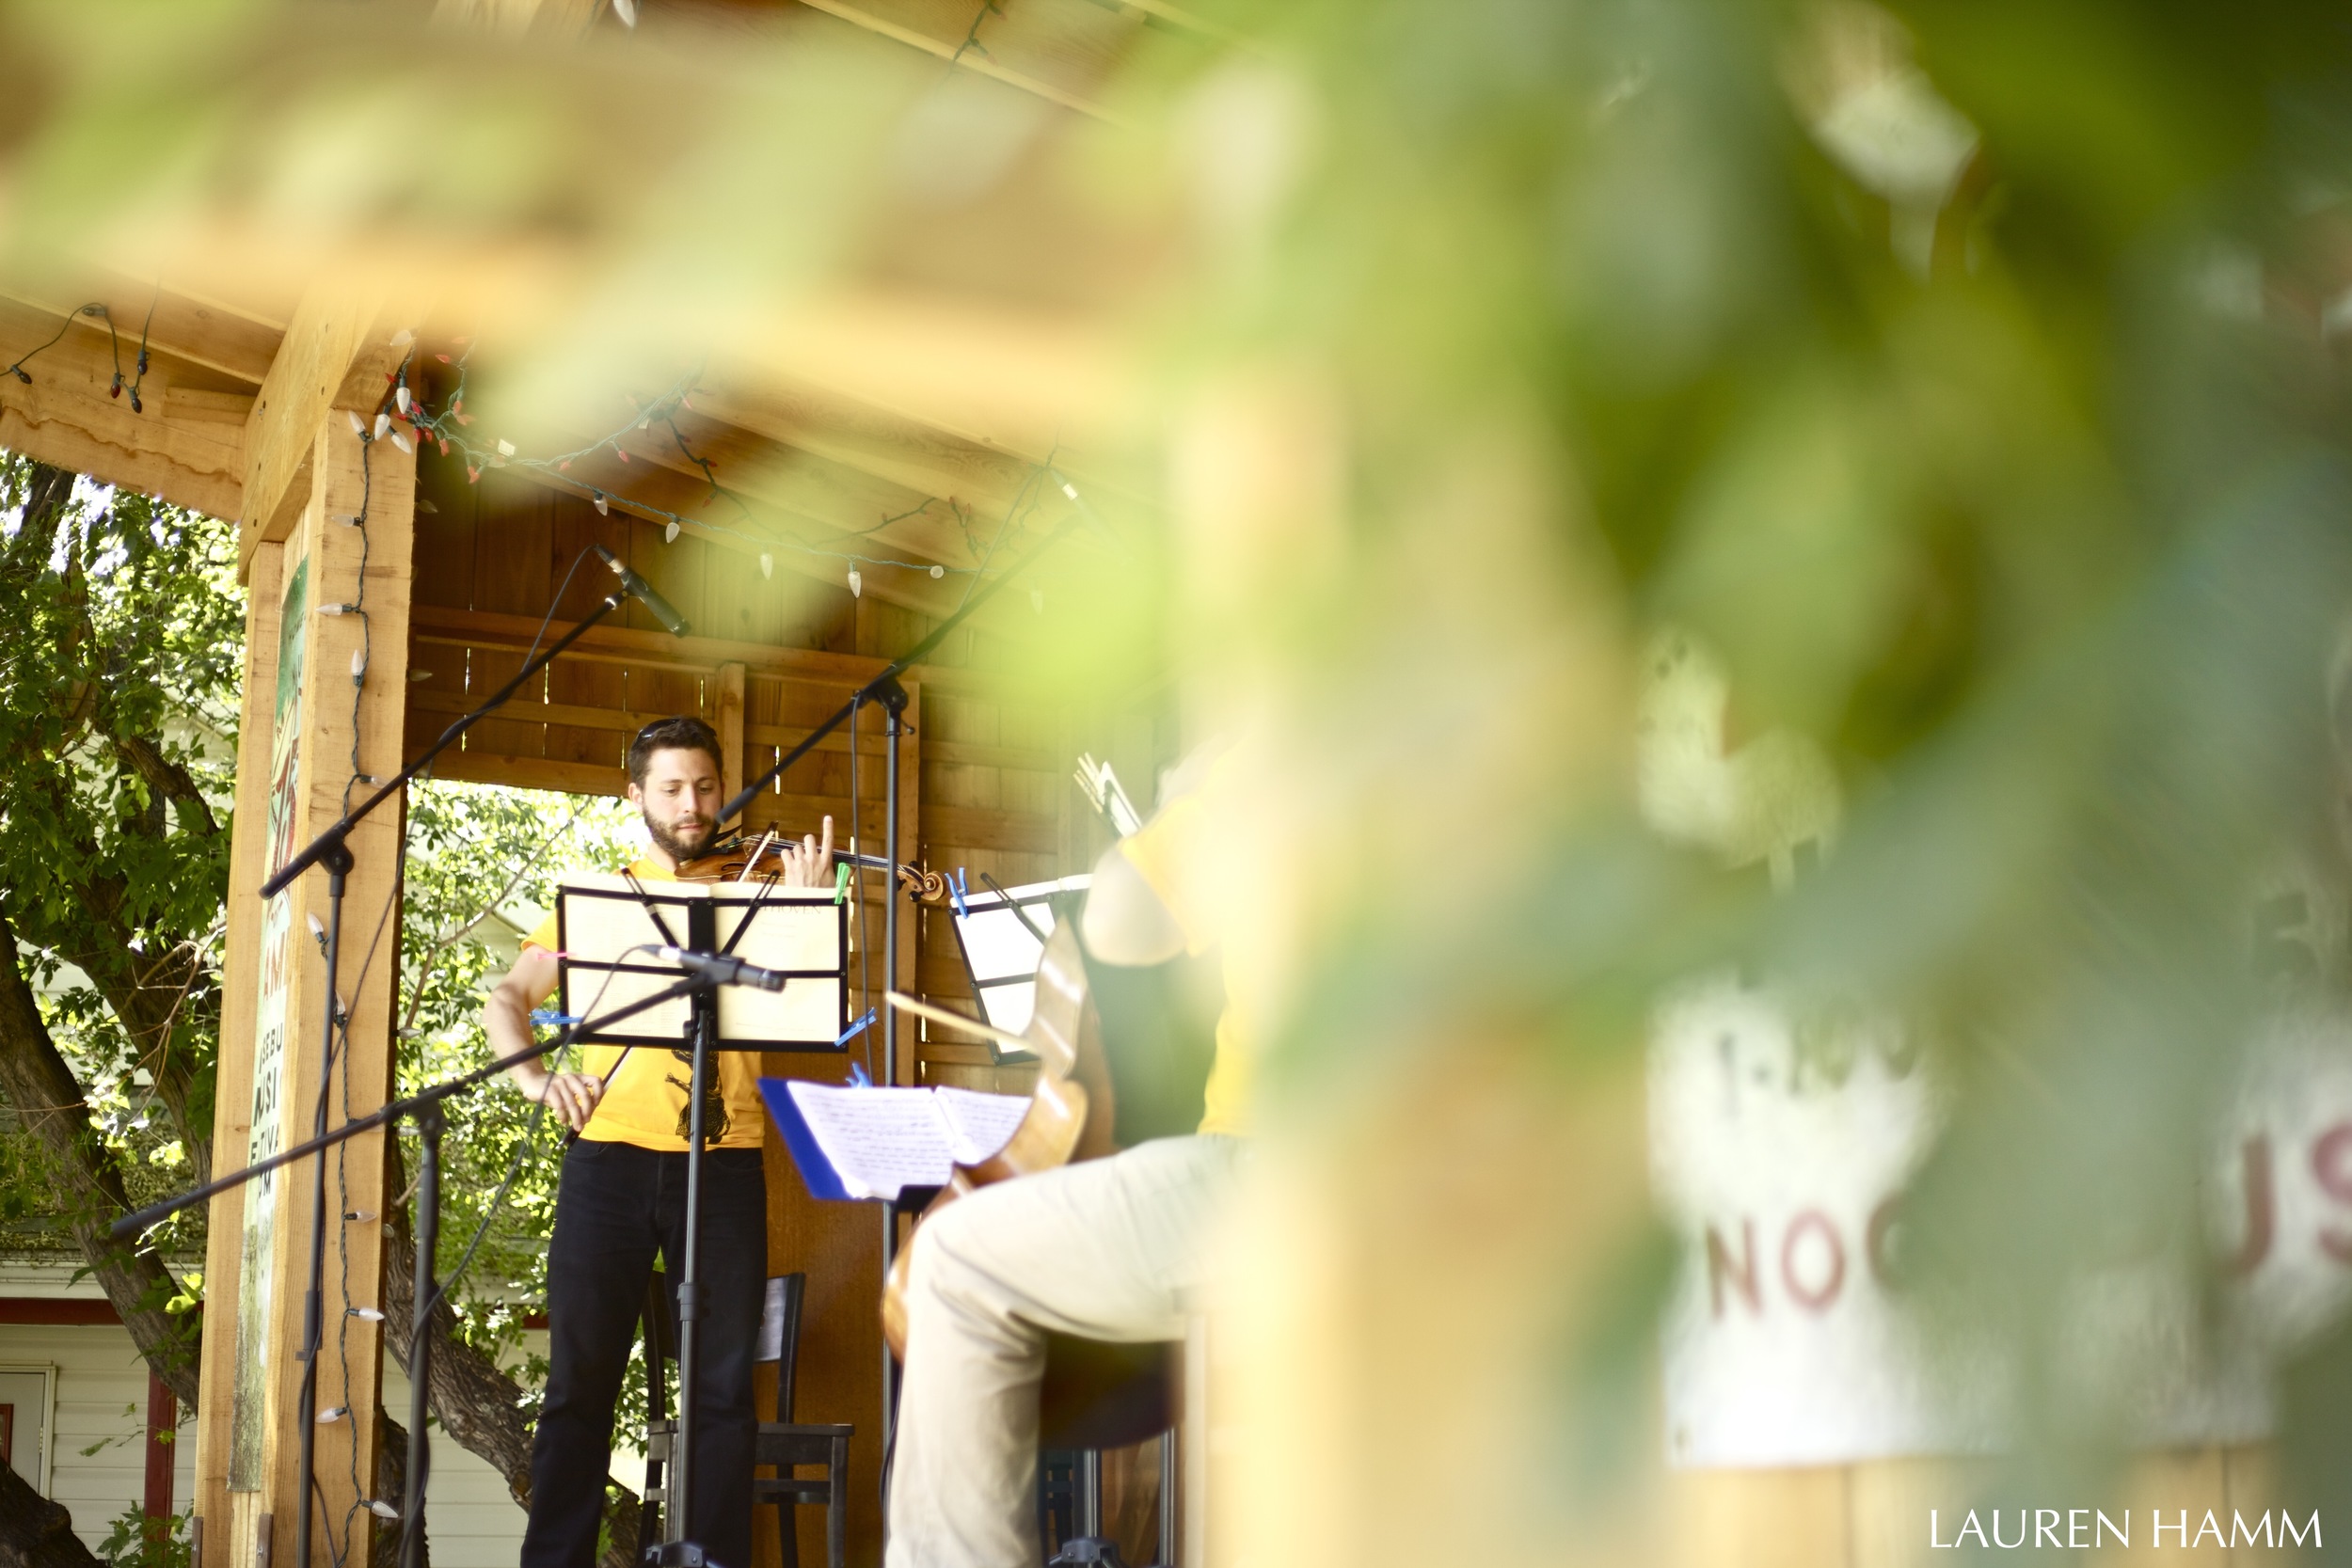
column 808, row 864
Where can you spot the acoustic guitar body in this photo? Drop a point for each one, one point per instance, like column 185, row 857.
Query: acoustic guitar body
column 1071, row 1109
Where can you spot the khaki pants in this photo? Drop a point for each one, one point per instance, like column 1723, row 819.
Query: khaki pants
column 1110, row 1250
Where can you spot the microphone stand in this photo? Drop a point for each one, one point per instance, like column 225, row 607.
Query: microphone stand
column 426, row 1108
column 332, row 850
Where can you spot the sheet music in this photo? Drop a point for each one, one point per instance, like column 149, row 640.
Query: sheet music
column 1002, row 952
column 979, row 1124
column 606, row 925
column 882, row 1140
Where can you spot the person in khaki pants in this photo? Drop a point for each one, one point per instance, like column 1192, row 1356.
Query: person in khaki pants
column 1108, row 1249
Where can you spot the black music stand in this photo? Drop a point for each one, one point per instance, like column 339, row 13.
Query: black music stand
column 605, row 927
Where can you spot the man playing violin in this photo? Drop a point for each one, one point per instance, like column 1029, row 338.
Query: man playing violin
column 1108, row 1249
column 621, row 1199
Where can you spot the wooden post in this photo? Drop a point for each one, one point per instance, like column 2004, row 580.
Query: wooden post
column 324, row 708
column 232, row 1094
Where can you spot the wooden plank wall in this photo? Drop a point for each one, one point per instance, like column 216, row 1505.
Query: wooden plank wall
column 985, row 786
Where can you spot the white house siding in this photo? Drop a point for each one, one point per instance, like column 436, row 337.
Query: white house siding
column 99, row 1373
column 101, row 1393
column 471, row 1520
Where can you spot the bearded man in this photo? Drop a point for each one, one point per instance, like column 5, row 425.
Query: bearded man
column 621, row 1199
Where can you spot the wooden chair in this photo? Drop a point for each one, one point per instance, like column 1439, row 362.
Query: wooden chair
column 783, row 1443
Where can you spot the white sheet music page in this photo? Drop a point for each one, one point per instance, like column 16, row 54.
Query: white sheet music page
column 979, row 1124
column 884, row 1140
column 879, row 1140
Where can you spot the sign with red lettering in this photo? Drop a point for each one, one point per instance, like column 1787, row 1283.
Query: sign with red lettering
column 1781, row 1142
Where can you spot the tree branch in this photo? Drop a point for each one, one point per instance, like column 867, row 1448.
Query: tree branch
column 51, row 1101
column 35, row 1532
column 166, row 779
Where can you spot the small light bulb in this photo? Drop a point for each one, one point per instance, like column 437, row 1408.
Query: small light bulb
column 400, row 397
column 1068, row 490
column 366, row 1314
column 383, row 424
column 766, row 564
column 506, row 449
column 402, row 441
column 358, row 426
column 382, row 1510
column 358, row 1216
column 358, row 665
column 857, row 584
column 318, row 927
column 669, row 534
column 332, row 1414
column 626, row 11
column 604, row 508
column 938, row 572
column 403, row 338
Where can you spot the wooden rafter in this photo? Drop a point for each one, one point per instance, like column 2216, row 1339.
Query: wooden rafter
column 190, row 456
column 649, row 491
column 192, row 330
column 926, row 461
column 839, row 498
column 335, row 356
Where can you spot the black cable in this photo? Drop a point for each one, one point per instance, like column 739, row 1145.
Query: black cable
column 17, row 369
column 1013, row 513
column 140, row 379
column 562, row 589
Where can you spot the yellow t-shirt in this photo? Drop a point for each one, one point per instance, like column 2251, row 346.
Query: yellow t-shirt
column 1167, row 851
column 646, row 1102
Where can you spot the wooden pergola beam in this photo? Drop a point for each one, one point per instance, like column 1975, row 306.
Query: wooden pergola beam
column 196, row 331
column 66, row 418
column 335, row 356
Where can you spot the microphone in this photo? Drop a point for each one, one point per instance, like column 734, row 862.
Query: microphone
column 719, row 967
column 637, row 587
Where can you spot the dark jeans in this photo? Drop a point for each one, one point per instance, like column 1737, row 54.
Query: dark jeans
column 617, row 1206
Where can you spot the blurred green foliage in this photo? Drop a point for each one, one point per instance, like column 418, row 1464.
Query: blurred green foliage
column 2017, row 481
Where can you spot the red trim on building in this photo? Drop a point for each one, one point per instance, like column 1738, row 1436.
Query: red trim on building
column 163, row 1420
column 57, row 1309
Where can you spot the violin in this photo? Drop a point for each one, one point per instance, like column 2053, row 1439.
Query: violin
column 742, row 859
column 1071, row 1109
